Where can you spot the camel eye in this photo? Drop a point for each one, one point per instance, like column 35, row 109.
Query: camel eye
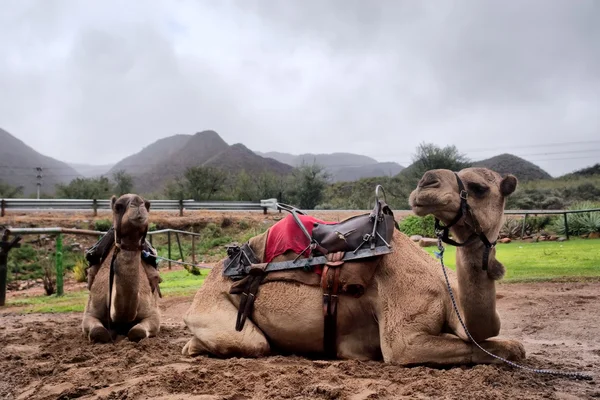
column 477, row 188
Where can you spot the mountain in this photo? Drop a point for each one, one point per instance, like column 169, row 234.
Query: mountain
column 589, row 171
column 91, row 171
column 18, row 162
column 155, row 165
column 342, row 167
column 510, row 164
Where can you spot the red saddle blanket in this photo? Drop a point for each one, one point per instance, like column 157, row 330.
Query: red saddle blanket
column 286, row 235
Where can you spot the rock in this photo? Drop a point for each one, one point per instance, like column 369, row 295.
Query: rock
column 427, row 242
column 594, row 235
column 504, row 240
column 553, row 238
column 416, row 238
column 561, row 239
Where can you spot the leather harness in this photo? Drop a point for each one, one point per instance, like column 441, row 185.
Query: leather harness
column 374, row 229
column 465, row 210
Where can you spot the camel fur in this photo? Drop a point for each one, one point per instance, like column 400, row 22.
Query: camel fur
column 405, row 315
column 134, row 306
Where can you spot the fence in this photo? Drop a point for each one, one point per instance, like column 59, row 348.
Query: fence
column 6, row 246
column 548, row 212
column 169, row 205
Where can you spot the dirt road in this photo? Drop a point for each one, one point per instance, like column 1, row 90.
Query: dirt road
column 46, row 357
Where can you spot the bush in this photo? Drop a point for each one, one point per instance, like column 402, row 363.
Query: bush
column 582, row 223
column 102, row 224
column 213, row 231
column 512, row 228
column 79, row 270
column 415, row 225
column 152, row 227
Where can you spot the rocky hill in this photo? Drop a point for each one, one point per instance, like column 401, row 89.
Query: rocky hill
column 510, row 164
column 155, row 165
column 341, row 167
column 594, row 170
column 18, row 162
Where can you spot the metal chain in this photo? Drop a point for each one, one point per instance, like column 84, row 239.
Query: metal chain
column 440, row 255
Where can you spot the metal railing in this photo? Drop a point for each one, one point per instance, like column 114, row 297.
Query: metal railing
column 164, row 205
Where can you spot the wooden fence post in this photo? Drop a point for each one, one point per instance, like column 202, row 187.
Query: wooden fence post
column 5, row 247
column 59, row 265
column 95, row 207
column 181, row 207
column 169, row 245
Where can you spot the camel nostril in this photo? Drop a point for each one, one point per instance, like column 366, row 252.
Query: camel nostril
column 429, row 181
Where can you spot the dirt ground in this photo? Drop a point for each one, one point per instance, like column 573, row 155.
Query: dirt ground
column 46, row 357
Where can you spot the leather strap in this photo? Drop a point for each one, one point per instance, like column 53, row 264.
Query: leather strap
column 330, row 302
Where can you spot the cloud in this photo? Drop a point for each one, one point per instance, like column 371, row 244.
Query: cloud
column 97, row 81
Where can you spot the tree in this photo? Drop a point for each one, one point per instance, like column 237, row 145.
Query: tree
column 429, row 156
column 85, row 188
column 7, row 191
column 308, row 186
column 123, row 182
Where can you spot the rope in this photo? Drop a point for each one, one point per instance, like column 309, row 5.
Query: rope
column 148, row 254
column 577, row 375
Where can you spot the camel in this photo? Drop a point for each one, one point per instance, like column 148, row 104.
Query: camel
column 133, row 302
column 405, row 315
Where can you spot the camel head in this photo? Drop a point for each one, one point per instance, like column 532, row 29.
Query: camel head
column 130, row 217
column 437, row 193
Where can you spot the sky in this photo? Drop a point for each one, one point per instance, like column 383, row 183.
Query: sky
column 95, row 81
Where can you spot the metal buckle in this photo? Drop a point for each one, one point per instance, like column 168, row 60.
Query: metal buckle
column 464, row 194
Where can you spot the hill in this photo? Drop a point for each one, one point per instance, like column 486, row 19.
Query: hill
column 155, row 165
column 91, row 171
column 18, row 162
column 510, row 164
column 594, row 170
column 342, row 167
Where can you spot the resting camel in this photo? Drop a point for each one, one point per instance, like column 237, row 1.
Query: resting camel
column 133, row 302
column 404, row 316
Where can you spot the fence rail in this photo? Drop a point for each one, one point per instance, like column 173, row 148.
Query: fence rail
column 165, row 205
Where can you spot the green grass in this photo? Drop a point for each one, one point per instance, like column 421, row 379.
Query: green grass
column 543, row 260
column 175, row 283
column 577, row 258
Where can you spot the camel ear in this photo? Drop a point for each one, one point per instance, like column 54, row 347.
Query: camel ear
column 495, row 269
column 147, row 204
column 113, row 200
column 508, row 185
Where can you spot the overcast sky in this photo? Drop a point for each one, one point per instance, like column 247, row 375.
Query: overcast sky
column 95, row 81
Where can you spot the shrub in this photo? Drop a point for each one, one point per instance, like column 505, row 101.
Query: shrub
column 152, row 227
column 102, row 224
column 79, row 270
column 226, row 222
column 581, row 223
column 243, row 224
column 213, row 231
column 415, row 225
column 512, row 228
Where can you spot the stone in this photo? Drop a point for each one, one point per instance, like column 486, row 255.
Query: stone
column 553, row 238
column 561, row 239
column 427, row 242
column 416, row 238
column 594, row 235
column 504, row 240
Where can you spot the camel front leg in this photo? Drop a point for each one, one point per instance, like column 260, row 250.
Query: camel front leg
column 148, row 327
column 447, row 349
column 215, row 334
column 94, row 330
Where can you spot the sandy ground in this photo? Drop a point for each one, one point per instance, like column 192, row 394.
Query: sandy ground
column 46, row 357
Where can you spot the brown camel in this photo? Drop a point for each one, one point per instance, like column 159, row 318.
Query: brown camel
column 405, row 315
column 133, row 304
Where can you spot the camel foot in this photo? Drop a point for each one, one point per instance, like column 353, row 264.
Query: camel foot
column 137, row 333
column 99, row 334
column 511, row 350
column 193, row 348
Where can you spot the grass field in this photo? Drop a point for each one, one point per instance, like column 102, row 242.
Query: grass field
column 577, row 258
column 542, row 260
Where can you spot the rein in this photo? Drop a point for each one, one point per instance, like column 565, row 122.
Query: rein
column 442, row 232
column 577, row 375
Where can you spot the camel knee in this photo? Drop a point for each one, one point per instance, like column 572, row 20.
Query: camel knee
column 481, row 331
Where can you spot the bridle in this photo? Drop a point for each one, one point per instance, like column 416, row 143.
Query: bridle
column 442, row 232
column 118, row 247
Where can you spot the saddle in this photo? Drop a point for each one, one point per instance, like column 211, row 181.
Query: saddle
column 365, row 237
column 96, row 255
